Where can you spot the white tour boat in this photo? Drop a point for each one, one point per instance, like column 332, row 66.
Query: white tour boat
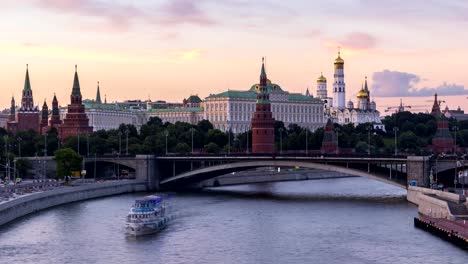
column 148, row 215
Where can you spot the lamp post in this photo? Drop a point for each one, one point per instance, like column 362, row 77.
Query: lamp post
column 247, row 149
column 45, row 144
column 7, row 159
column 281, row 140
column 166, row 133
column 455, row 129
column 307, row 141
column 14, row 171
column 87, row 145
column 58, row 142
column 78, row 148
column 229, row 141
column 95, row 161
column 19, row 139
column 120, row 142
column 191, row 131
column 395, row 129
column 368, row 140
column 127, row 131
column 45, row 155
column 337, row 130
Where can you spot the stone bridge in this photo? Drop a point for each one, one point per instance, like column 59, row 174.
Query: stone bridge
column 174, row 172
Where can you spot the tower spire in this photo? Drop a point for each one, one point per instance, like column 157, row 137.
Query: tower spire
column 98, row 94
column 76, row 84
column 27, row 83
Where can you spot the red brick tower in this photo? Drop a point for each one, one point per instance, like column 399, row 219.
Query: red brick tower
column 442, row 140
column 330, row 140
column 436, row 107
column 44, row 118
column 11, row 124
column 11, row 116
column 27, row 117
column 55, row 118
column 263, row 124
column 76, row 121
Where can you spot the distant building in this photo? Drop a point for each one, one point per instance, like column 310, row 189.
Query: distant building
column 76, row 121
column 106, row 116
column 366, row 110
column 27, row 116
column 191, row 115
column 233, row 109
column 458, row 114
column 3, row 119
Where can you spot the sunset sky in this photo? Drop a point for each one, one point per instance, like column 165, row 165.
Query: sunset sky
column 170, row 49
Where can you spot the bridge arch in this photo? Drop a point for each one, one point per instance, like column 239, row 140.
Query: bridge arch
column 206, row 173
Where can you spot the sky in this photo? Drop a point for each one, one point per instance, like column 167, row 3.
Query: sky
column 170, row 49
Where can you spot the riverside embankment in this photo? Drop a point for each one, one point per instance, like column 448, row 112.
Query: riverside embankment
column 34, row 202
column 441, row 213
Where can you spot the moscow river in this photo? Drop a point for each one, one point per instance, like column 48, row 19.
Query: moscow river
column 349, row 220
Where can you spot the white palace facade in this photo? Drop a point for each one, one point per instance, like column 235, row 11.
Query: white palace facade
column 233, row 110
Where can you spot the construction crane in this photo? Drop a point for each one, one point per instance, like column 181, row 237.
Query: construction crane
column 402, row 107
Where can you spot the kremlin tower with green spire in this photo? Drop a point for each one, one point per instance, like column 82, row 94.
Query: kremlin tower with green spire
column 27, row 116
column 263, row 124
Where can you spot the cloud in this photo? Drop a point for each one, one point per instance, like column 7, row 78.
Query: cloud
column 402, row 84
column 353, row 42
column 184, row 11
column 122, row 16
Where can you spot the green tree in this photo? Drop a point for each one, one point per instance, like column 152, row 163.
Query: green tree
column 67, row 161
column 212, row 148
column 182, row 148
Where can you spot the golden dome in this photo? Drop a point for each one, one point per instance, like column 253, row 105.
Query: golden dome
column 339, row 60
column 362, row 94
column 321, row 78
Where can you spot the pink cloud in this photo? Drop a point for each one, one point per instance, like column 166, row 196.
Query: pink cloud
column 121, row 16
column 184, row 11
column 358, row 40
column 353, row 41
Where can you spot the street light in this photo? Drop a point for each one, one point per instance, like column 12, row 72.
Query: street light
column 455, row 129
column 337, row 130
column 368, row 139
column 395, row 129
column 127, row 131
column 19, row 139
column 247, row 149
column 191, row 131
column 281, row 140
column 45, row 155
column 78, row 144
column 87, row 145
column 229, row 141
column 166, row 133
column 45, row 144
column 307, row 141
column 120, row 142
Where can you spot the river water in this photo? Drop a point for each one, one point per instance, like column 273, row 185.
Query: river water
column 349, row 220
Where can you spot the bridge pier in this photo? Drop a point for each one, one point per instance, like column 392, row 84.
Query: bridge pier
column 417, row 169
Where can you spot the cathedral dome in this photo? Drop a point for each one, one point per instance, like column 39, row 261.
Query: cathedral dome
column 339, row 60
column 362, row 94
column 321, row 79
column 350, row 104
